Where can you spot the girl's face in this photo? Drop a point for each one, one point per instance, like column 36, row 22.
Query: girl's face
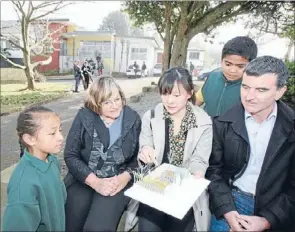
column 48, row 138
column 177, row 100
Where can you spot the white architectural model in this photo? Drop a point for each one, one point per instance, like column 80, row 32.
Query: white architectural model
column 168, row 188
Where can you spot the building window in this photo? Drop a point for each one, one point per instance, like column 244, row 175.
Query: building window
column 194, row 55
column 138, row 53
column 91, row 48
column 63, row 48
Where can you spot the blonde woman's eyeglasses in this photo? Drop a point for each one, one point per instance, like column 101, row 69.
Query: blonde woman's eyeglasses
column 110, row 102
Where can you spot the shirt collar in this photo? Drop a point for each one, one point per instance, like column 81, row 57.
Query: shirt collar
column 117, row 120
column 37, row 163
column 272, row 114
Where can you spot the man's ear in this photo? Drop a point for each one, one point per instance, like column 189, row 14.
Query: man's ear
column 280, row 93
column 28, row 139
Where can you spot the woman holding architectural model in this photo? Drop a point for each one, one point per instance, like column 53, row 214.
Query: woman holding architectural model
column 178, row 133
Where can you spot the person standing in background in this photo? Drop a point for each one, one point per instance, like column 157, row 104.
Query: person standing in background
column 191, row 68
column 100, row 67
column 77, row 75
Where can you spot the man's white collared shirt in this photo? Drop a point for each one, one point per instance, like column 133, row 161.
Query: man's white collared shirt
column 259, row 136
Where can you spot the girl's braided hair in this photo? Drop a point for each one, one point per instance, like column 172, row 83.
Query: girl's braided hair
column 27, row 123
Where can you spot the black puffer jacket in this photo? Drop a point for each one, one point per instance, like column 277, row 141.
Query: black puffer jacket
column 79, row 144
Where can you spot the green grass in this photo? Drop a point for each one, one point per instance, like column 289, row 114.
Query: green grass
column 12, row 99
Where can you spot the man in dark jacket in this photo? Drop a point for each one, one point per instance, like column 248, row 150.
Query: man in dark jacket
column 143, row 68
column 252, row 165
column 77, row 75
column 191, row 68
column 86, row 70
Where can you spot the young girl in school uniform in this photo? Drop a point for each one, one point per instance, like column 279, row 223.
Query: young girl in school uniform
column 36, row 194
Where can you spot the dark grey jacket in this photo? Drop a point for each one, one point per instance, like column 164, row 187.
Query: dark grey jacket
column 80, row 155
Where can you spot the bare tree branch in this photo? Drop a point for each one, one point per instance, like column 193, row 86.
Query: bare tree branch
column 11, row 62
column 47, row 35
column 10, row 36
column 43, row 62
column 17, row 13
column 30, row 10
column 18, row 6
column 58, row 5
column 23, row 3
column 159, row 32
column 12, row 42
column 45, row 4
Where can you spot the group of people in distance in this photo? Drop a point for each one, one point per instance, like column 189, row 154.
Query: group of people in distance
column 85, row 73
column 243, row 142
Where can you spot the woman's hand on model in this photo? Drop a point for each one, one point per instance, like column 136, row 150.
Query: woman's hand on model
column 147, row 155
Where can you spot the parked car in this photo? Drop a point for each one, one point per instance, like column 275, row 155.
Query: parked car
column 203, row 74
column 157, row 70
column 132, row 73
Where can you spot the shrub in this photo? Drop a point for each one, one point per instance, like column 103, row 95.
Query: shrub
column 289, row 96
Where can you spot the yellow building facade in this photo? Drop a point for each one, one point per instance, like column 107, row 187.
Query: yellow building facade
column 81, row 45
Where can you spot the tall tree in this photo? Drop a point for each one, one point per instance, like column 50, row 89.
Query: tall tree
column 184, row 19
column 119, row 23
column 36, row 35
column 277, row 19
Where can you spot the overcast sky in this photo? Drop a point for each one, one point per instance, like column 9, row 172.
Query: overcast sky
column 90, row 15
column 83, row 13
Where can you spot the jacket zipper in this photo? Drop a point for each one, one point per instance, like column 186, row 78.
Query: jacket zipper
column 243, row 169
column 259, row 180
column 220, row 99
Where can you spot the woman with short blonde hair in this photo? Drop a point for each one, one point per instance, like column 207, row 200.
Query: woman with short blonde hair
column 100, row 91
column 100, row 153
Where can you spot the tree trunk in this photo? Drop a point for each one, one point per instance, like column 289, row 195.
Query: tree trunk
column 29, row 68
column 29, row 71
column 180, row 45
column 167, row 39
column 27, row 54
column 179, row 51
column 291, row 44
column 30, row 79
column 167, row 52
